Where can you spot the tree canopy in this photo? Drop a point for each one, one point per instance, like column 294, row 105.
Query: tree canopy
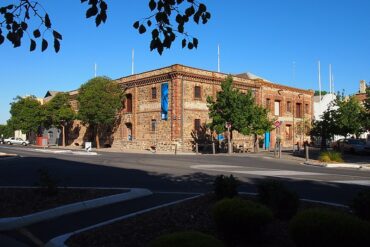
column 59, row 112
column 6, row 130
column 345, row 116
column 27, row 114
column 99, row 101
column 166, row 22
column 239, row 109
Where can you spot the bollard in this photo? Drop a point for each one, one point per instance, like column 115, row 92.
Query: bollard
column 275, row 150
column 176, row 149
column 280, row 146
column 196, row 148
column 307, row 152
column 213, row 148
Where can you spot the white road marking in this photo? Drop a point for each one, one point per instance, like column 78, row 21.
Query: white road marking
column 279, row 173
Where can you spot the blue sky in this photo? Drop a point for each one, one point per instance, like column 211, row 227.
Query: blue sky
column 264, row 37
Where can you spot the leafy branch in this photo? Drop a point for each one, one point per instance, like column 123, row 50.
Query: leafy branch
column 13, row 22
column 163, row 32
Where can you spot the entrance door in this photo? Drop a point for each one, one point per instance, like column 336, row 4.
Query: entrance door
column 129, row 131
column 267, row 140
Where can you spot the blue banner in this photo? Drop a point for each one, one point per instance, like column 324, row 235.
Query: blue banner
column 164, row 101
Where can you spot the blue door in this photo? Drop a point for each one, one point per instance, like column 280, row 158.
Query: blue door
column 267, row 140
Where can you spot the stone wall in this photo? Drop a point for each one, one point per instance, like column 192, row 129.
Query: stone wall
column 184, row 108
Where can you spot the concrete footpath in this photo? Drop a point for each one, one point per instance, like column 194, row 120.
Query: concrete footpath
column 41, row 233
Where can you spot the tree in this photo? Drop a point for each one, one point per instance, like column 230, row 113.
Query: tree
column 350, row 117
column 367, row 108
column 260, row 124
column 167, row 19
column 99, row 101
column 326, row 128
column 59, row 112
column 6, row 131
column 27, row 114
column 317, row 93
column 238, row 109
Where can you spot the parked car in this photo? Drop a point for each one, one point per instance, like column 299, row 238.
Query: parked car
column 351, row 145
column 14, row 140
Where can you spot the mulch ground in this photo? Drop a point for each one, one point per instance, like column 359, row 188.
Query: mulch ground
column 190, row 215
column 18, row 202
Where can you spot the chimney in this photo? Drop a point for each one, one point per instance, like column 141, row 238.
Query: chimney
column 362, row 86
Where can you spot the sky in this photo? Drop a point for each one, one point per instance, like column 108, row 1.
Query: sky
column 281, row 41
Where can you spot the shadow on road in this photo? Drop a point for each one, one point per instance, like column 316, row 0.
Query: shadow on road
column 24, row 172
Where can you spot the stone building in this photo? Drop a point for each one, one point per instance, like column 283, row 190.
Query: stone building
column 167, row 107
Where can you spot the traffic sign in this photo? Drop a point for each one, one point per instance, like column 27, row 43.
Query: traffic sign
column 278, row 123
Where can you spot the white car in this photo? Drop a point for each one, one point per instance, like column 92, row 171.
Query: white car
column 13, row 140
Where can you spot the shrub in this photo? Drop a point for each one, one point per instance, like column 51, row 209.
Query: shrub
column 238, row 220
column 324, row 227
column 330, row 156
column 226, row 186
column 186, row 239
column 48, row 184
column 361, row 204
column 283, row 202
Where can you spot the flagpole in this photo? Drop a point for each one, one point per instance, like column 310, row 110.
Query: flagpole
column 218, row 58
column 319, row 71
column 330, row 89
column 133, row 61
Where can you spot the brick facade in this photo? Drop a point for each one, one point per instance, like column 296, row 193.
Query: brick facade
column 135, row 128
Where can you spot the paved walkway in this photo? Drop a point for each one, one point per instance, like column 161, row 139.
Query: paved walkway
column 40, row 233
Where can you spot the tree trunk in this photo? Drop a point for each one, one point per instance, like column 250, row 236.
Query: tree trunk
column 97, row 137
column 63, row 135
column 256, row 144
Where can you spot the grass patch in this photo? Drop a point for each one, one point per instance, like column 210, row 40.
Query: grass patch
column 330, row 156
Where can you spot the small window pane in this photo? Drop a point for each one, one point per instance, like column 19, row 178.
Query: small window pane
column 277, row 108
column 197, row 92
column 289, row 106
column 197, row 124
column 153, row 125
column 154, row 92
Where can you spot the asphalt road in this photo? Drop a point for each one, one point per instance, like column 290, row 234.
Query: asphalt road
column 181, row 173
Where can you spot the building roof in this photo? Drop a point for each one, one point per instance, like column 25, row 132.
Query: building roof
column 250, row 76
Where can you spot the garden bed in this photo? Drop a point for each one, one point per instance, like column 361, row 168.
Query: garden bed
column 190, row 215
column 16, row 202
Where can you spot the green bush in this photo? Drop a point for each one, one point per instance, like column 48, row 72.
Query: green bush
column 283, row 202
column 226, row 186
column 238, row 220
column 48, row 185
column 330, row 156
column 361, row 204
column 324, row 227
column 186, row 239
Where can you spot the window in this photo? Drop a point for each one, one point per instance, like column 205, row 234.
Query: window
column 129, row 103
column 153, row 125
column 289, row 106
column 306, row 108
column 288, row 132
column 298, row 111
column 277, row 108
column 197, row 124
column 154, row 92
column 268, row 101
column 197, row 92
